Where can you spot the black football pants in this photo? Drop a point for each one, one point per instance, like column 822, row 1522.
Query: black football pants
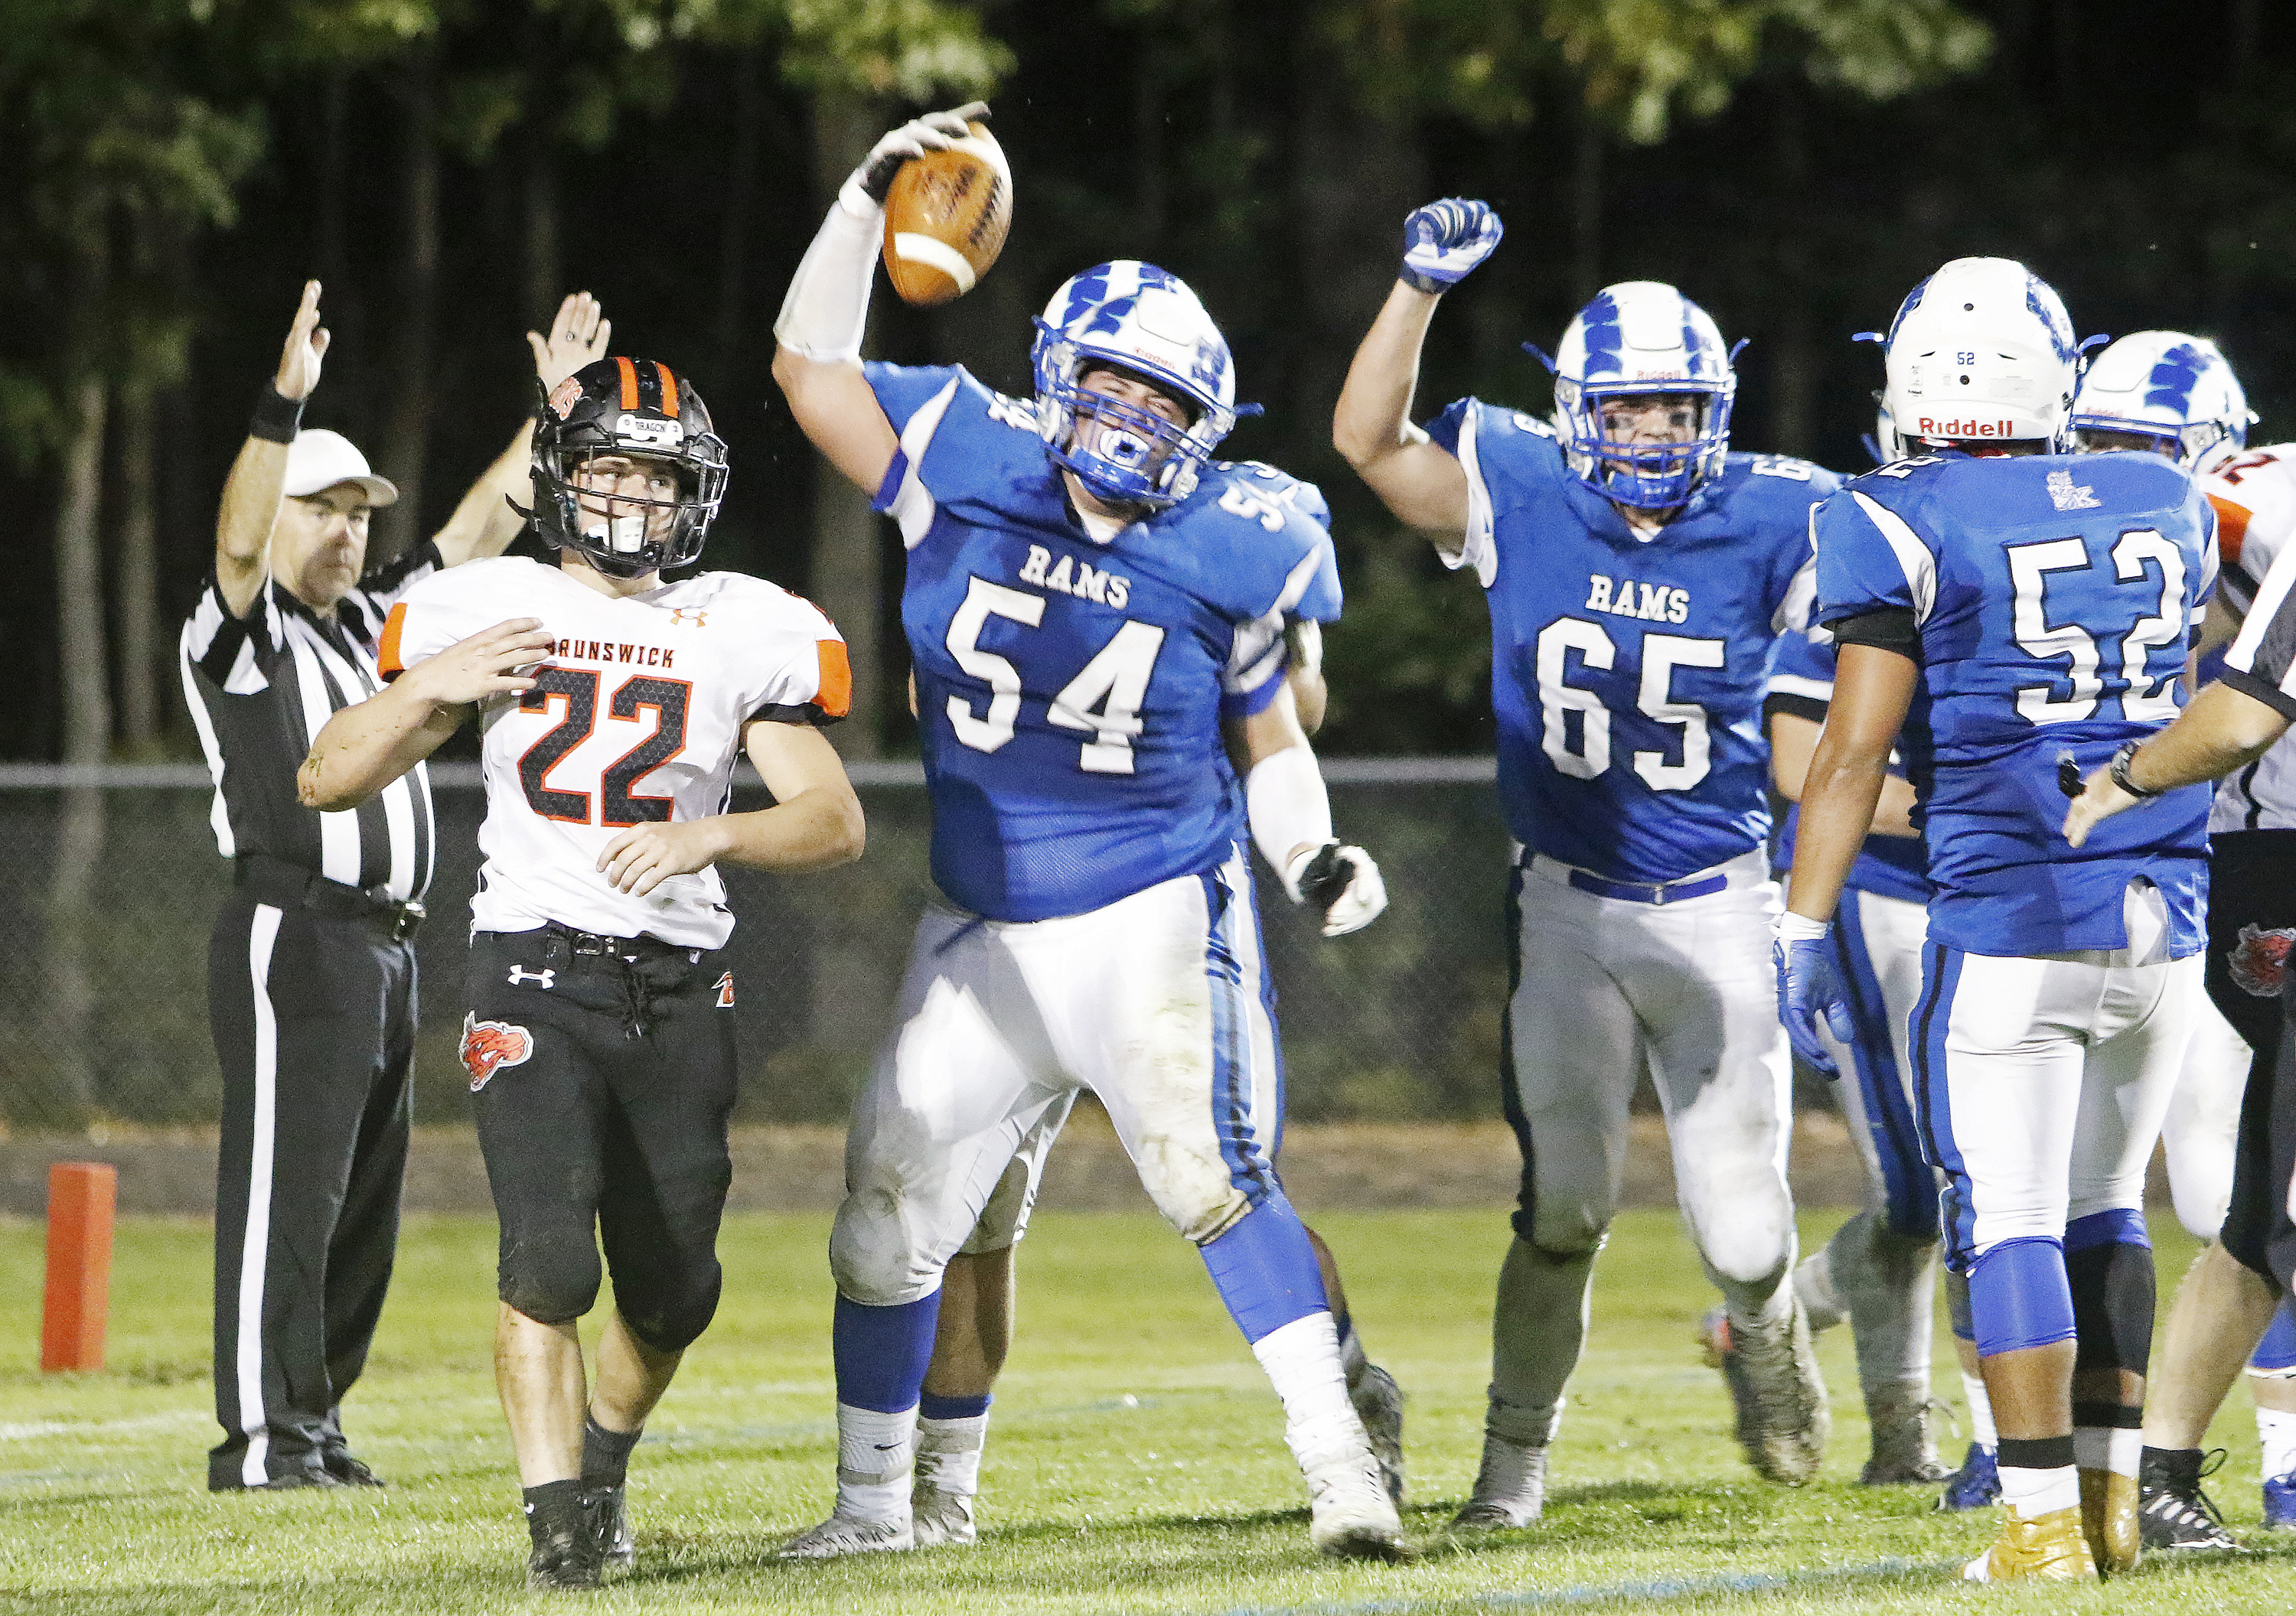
column 314, row 1023
column 603, row 1082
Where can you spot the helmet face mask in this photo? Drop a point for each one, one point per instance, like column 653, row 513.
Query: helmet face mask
column 1643, row 342
column 640, row 415
column 1143, row 323
column 2163, row 391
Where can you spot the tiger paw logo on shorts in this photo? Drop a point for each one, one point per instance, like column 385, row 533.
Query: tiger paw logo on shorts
column 489, row 1046
column 2261, row 963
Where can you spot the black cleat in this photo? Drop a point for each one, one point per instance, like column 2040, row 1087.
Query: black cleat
column 608, row 1515
column 348, row 1470
column 566, row 1549
column 2172, row 1512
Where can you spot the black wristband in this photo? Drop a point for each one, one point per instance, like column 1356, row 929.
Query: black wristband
column 277, row 418
column 1418, row 282
column 2118, row 770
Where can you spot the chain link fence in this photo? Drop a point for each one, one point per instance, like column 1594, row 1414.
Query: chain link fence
column 111, row 884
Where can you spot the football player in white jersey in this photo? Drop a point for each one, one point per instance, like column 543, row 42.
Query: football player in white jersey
column 2174, row 395
column 1094, row 609
column 1638, row 573
column 600, row 1037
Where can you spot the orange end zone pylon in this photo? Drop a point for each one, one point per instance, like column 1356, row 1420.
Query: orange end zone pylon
column 80, row 1199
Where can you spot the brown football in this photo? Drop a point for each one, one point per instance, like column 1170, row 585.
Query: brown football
column 946, row 217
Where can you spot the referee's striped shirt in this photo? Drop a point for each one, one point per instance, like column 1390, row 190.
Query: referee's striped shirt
column 260, row 688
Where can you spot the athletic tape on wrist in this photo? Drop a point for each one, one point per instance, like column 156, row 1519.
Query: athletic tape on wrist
column 1287, row 806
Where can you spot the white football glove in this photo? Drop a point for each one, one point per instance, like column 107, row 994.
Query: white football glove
column 1445, row 239
column 865, row 187
column 1341, row 881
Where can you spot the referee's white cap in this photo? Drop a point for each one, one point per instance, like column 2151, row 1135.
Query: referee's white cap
column 318, row 460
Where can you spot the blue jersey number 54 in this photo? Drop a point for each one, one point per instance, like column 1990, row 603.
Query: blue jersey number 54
column 1115, row 682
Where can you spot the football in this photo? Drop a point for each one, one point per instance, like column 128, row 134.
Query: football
column 946, row 217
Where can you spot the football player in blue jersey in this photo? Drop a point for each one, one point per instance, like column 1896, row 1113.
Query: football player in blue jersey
column 1879, row 1270
column 1096, row 610
column 2007, row 616
column 2174, row 395
column 1637, row 573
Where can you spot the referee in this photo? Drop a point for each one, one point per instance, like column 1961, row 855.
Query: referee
column 311, row 965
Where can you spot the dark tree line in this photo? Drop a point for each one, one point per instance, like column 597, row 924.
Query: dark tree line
column 449, row 167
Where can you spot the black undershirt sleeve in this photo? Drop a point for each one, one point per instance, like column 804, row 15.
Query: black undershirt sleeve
column 1890, row 629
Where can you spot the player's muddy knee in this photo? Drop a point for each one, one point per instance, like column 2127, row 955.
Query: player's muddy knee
column 872, row 1258
column 549, row 1281
column 1563, row 1239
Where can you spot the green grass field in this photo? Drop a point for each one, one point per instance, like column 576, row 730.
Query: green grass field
column 1136, row 1459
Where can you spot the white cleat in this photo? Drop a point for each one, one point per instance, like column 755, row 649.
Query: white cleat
column 1510, row 1489
column 943, row 1519
column 1350, row 1516
column 1379, row 1403
column 841, row 1534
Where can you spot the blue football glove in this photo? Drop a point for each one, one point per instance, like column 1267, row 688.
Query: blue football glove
column 1810, row 987
column 1445, row 239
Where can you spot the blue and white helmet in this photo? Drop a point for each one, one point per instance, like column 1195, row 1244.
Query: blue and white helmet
column 1136, row 318
column 2176, row 390
column 1982, row 352
column 1642, row 337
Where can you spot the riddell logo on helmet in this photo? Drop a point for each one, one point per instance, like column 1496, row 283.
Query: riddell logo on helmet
column 1929, row 427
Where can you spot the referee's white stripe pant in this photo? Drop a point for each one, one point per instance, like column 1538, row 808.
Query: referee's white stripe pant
column 1159, row 1003
column 2044, row 1078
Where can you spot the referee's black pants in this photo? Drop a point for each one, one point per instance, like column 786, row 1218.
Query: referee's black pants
column 314, row 1023
column 2252, row 881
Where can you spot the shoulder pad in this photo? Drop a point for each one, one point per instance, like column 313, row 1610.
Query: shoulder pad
column 1259, row 493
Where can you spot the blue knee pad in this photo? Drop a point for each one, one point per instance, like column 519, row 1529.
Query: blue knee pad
column 2277, row 1349
column 2019, row 1296
column 2109, row 1270
column 1264, row 1268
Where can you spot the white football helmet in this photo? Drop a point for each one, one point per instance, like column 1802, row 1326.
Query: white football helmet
column 1981, row 352
column 1642, row 337
column 1137, row 318
column 2173, row 391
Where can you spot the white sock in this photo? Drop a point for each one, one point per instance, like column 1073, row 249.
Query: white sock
column 1981, row 1412
column 2107, row 1447
column 1302, row 1362
column 2038, row 1492
column 948, row 1454
column 2276, row 1430
column 875, row 1452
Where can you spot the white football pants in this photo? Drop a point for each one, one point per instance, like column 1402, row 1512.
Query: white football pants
column 1159, row 1003
column 2045, row 1077
column 1608, row 987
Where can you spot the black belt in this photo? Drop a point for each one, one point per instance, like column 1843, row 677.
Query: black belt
column 290, row 885
column 581, row 942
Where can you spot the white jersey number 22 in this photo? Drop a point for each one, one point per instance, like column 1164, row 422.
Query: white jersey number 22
column 1115, row 682
column 1661, row 654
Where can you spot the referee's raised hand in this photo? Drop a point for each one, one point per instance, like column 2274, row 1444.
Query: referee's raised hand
column 307, row 347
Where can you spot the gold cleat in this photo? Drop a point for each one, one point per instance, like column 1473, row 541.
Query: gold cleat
column 2045, row 1548
column 2109, row 1520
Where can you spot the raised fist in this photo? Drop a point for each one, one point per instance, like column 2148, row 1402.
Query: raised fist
column 1444, row 240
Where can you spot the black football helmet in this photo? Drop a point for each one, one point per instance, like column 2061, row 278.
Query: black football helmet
column 638, row 408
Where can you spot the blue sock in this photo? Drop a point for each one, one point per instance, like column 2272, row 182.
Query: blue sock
column 1265, row 1271
column 934, row 1408
column 882, row 1352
